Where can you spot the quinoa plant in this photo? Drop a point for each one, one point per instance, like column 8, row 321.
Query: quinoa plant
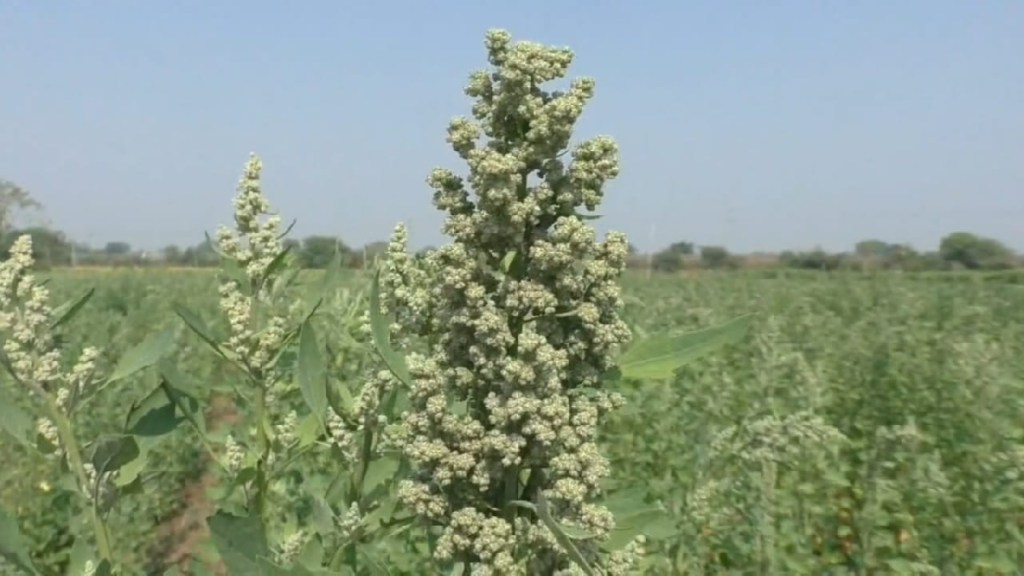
column 47, row 383
column 518, row 325
column 457, row 419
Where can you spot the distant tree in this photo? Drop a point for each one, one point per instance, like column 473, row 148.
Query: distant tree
column 682, row 248
column 49, row 247
column 318, row 250
column 172, row 254
column 117, row 248
column 877, row 249
column 975, row 252
column 369, row 254
column 202, row 254
column 672, row 258
column 13, row 198
column 717, row 257
column 817, row 259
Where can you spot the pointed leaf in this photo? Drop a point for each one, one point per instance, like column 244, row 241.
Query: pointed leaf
column 143, row 355
column 311, row 372
column 659, row 356
column 14, row 547
column 196, row 324
column 382, row 336
column 380, row 470
column 153, row 416
column 241, row 542
column 110, row 453
column 541, row 510
column 65, row 312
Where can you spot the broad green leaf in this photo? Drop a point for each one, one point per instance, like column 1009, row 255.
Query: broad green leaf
column 241, row 542
column 322, row 517
column 15, row 421
column 174, row 386
column 340, row 398
column 308, row 430
column 155, row 415
column 654, row 523
column 311, row 372
column 14, row 547
column 382, row 336
column 143, row 355
column 81, row 553
column 111, row 452
column 658, row 357
column 380, row 470
column 65, row 312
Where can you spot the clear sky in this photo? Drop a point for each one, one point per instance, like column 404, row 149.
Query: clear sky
column 756, row 125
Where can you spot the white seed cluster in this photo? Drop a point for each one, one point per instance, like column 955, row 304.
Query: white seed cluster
column 521, row 312
column 28, row 342
column 254, row 243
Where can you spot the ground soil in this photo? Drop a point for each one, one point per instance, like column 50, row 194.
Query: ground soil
column 187, row 531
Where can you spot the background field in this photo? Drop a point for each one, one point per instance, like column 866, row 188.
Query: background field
column 869, row 424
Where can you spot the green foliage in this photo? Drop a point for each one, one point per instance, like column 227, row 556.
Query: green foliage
column 796, row 424
column 975, row 252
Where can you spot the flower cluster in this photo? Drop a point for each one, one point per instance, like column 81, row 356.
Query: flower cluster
column 521, row 314
column 29, row 344
column 254, row 244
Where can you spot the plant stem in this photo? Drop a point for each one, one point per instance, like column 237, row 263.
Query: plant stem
column 77, row 465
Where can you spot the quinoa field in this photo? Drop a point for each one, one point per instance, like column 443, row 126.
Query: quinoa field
column 518, row 401
column 867, row 424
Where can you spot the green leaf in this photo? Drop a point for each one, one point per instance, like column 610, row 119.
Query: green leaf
column 15, row 421
column 199, row 328
column 81, row 553
column 65, row 312
column 563, row 538
column 583, row 216
column 13, row 545
column 380, row 327
column 659, row 356
column 143, row 355
column 241, row 542
column 155, row 415
column 111, row 452
column 311, row 372
column 175, row 388
column 653, row 522
column 379, row 471
column 340, row 398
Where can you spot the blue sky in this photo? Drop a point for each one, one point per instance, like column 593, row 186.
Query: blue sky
column 756, row 125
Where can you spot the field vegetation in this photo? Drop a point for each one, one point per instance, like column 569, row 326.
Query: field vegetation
column 514, row 402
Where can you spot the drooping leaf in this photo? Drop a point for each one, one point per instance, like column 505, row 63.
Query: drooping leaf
column 241, row 542
column 14, row 547
column 658, row 357
column 143, row 355
column 111, row 452
column 66, row 311
column 154, row 415
column 311, row 372
column 380, row 327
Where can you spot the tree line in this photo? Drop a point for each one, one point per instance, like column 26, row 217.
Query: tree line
column 957, row 250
